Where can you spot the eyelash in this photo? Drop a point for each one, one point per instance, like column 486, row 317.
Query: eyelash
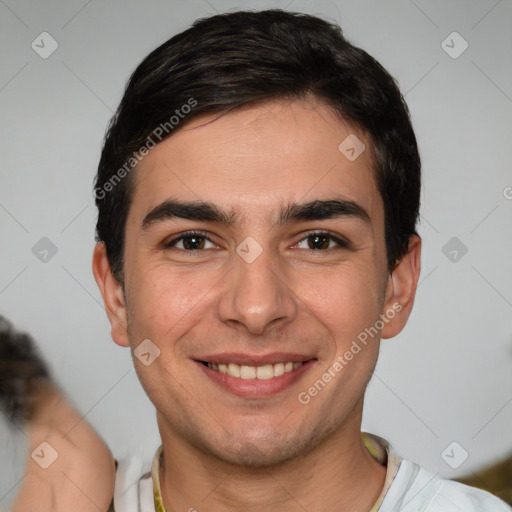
column 342, row 244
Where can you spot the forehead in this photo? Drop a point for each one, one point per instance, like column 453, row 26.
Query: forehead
column 255, row 157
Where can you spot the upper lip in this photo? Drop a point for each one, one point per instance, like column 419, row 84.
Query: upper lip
column 254, row 359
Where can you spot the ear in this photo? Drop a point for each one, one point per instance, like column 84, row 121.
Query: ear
column 401, row 289
column 113, row 296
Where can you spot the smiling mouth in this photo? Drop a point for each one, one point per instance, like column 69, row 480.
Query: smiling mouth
column 265, row 372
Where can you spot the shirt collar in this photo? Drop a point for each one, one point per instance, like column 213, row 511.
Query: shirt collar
column 384, row 454
column 378, row 448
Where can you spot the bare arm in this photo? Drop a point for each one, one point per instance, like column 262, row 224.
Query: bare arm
column 68, row 466
column 82, row 475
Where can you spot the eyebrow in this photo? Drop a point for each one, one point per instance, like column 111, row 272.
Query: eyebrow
column 209, row 212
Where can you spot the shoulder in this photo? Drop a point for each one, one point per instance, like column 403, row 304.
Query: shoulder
column 456, row 496
column 417, row 489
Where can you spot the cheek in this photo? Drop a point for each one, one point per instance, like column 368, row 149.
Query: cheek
column 346, row 301
column 166, row 305
column 162, row 309
column 162, row 297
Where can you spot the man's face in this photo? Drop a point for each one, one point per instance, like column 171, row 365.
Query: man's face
column 261, row 289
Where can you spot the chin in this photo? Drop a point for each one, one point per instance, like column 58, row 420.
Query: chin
column 261, row 454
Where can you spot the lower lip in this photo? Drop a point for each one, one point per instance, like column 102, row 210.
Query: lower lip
column 256, row 388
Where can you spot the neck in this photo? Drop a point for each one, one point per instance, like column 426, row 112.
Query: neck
column 338, row 474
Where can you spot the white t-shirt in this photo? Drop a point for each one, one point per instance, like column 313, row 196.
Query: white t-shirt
column 407, row 488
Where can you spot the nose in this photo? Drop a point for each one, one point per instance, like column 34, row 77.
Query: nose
column 256, row 295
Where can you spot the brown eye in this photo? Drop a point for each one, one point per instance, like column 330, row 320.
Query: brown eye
column 318, row 242
column 190, row 241
column 322, row 241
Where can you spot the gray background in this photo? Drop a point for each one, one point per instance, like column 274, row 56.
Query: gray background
column 446, row 378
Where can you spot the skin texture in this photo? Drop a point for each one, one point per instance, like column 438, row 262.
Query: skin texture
column 82, row 476
column 222, row 451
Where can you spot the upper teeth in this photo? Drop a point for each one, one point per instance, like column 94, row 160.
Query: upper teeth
column 264, row 372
